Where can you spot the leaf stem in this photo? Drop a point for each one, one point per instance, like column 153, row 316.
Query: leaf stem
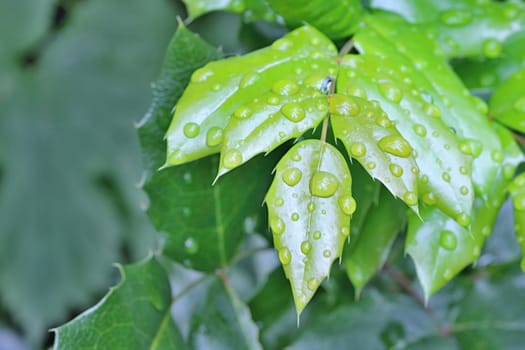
column 349, row 45
column 331, row 91
column 520, row 139
column 188, row 288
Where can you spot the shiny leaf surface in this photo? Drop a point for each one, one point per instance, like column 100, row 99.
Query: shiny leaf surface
column 507, row 104
column 309, row 205
column 517, row 191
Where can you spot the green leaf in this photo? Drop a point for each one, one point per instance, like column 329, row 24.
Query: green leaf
column 251, row 9
column 69, row 206
column 507, row 104
column 224, row 88
column 418, row 11
column 223, row 321
column 517, row 191
column 439, row 246
column 133, row 315
column 371, row 138
column 369, row 251
column 337, row 19
column 309, row 207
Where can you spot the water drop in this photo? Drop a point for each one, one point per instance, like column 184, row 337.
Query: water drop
column 284, row 256
column 395, row 145
column 317, row 235
column 391, row 92
column 191, row 246
column 214, row 136
column 201, row 75
column 383, row 121
column 456, row 17
column 186, row 212
column 191, row 130
column 463, row 219
column 519, row 105
column 424, row 179
column 519, row 202
column 432, row 110
column 347, row 107
column 429, row 198
column 327, row 253
column 410, row 198
column 248, row 79
column 448, row 240
column 485, row 231
column 447, row 274
column 356, row 91
column 306, row 247
column 279, row 202
column 293, row 112
column 296, row 157
column 243, row 112
column 323, row 184
column 232, row 158
column 497, row 156
column 277, row 225
column 294, row 217
column 357, row 149
column 420, row 130
column 508, row 171
column 310, row 206
column 347, row 204
column 282, row 44
column 285, row 88
column 345, row 231
column 371, row 165
column 445, row 176
column 396, row 170
column 292, row 176
column 464, row 190
column 273, row 100
column 492, row 48
column 463, row 170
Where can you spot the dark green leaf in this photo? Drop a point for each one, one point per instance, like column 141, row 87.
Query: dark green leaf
column 133, row 315
column 309, row 207
column 371, row 138
column 507, row 104
column 222, row 89
column 337, row 19
column 223, row 321
column 369, row 251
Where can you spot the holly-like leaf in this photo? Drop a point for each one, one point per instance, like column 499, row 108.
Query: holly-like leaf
column 439, row 246
column 133, row 315
column 251, row 9
column 517, row 191
column 507, row 104
column 309, row 205
column 371, row 138
column 223, row 321
column 224, row 88
column 337, row 19
column 369, row 251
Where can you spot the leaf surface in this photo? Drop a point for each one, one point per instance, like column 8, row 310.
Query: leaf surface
column 309, row 206
column 135, row 314
column 371, row 138
column 222, row 89
column 251, row 9
column 517, row 191
column 337, row 19
column 507, row 104
column 369, row 251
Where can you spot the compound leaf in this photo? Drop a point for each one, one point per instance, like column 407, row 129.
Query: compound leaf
column 309, row 205
column 507, row 104
column 136, row 314
column 368, row 252
column 337, row 19
column 223, row 88
column 371, row 138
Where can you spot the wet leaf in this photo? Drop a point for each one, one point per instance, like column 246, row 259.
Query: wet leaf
column 370, row 137
column 309, row 205
column 507, row 104
column 369, row 251
column 517, row 191
column 135, row 314
column 337, row 19
column 222, row 89
column 251, row 9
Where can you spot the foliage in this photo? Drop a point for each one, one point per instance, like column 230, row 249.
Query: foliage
column 377, row 148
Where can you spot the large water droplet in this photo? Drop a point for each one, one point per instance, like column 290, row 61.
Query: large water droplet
column 284, row 256
column 429, row 198
column 396, row 170
column 293, row 112
column 191, row 130
column 292, row 176
column 463, row 219
column 456, row 17
column 448, row 240
column 323, row 184
column 277, row 225
column 317, row 235
column 243, row 112
column 285, row 88
column 347, row 204
column 357, row 149
column 492, row 48
column 410, row 198
column 347, row 107
column 191, row 246
column 249, row 79
column 391, row 92
column 420, row 130
column 395, row 145
column 201, row 75
column 519, row 105
column 306, row 247
column 232, row 158
column 214, row 136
